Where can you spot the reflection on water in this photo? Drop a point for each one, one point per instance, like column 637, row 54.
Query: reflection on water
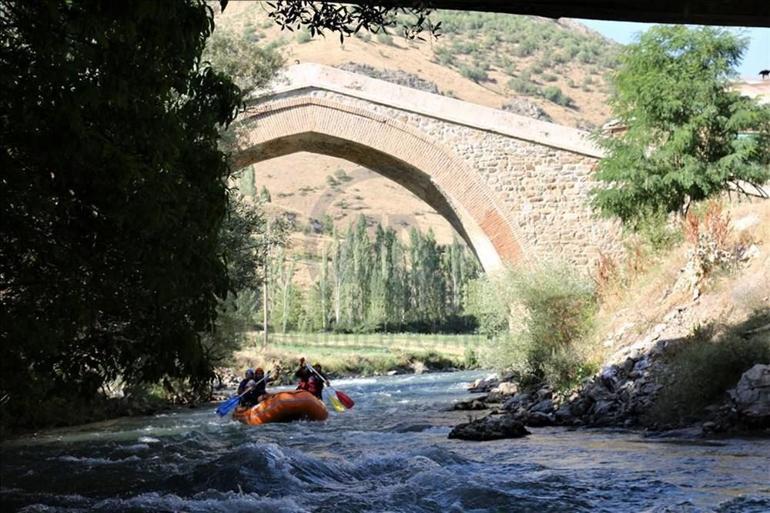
column 390, row 453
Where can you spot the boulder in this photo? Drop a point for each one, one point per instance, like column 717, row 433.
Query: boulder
column 521, row 400
column 506, row 388
column 544, row 406
column 537, row 419
column 751, row 395
column 484, row 385
column 471, row 404
column 526, row 108
column 492, row 427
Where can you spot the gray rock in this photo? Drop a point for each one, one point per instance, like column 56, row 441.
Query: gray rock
column 493, row 427
column 602, row 408
column 537, row 419
column 544, row 406
column 394, row 76
column 564, row 415
column 470, row 405
column 483, row 385
column 526, row 108
column 517, row 401
column 506, row 388
column 752, row 393
column 580, row 407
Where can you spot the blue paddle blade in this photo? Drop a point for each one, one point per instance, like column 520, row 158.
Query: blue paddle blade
column 228, row 406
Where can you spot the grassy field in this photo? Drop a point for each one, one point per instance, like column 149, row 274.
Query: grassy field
column 362, row 354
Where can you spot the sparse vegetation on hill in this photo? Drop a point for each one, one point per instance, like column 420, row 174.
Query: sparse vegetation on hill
column 481, row 57
column 544, row 51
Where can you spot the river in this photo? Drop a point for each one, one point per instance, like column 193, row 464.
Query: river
column 388, row 454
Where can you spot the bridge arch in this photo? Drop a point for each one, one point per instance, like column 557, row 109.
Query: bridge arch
column 282, row 126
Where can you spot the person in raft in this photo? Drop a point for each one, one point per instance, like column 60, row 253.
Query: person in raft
column 315, row 384
column 308, row 380
column 255, row 388
column 249, row 376
column 303, row 375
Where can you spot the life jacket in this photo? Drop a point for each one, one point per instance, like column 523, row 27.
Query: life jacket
column 315, row 386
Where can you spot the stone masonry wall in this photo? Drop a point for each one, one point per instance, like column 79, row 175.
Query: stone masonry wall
column 545, row 189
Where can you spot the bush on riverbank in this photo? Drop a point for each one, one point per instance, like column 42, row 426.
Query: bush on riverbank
column 708, row 363
column 550, row 319
column 45, row 410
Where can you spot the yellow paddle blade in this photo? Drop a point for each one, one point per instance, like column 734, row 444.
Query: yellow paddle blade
column 336, row 403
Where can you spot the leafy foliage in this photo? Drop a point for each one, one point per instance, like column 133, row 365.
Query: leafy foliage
column 379, row 284
column 113, row 191
column 249, row 65
column 689, row 136
column 541, row 320
column 347, row 20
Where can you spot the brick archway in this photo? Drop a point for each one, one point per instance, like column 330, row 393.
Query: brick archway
column 397, row 151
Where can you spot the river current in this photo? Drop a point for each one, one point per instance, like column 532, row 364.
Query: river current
column 388, row 454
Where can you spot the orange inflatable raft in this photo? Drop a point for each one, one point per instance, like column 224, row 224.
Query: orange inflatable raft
column 283, row 407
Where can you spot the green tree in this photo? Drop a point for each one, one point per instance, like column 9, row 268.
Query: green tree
column 689, row 134
column 112, row 194
column 248, row 65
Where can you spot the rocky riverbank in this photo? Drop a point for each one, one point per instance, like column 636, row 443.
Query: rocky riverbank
column 621, row 396
column 645, row 385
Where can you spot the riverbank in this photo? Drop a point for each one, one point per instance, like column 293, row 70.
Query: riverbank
column 657, row 385
column 672, row 338
column 355, row 355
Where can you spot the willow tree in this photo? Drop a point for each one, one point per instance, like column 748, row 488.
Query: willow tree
column 689, row 134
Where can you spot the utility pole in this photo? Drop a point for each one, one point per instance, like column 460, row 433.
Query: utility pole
column 265, row 283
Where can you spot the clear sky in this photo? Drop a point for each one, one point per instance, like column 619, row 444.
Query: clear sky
column 757, row 56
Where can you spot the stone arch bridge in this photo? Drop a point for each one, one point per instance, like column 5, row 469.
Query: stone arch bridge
column 516, row 189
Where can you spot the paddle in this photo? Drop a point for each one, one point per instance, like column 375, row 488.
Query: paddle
column 341, row 397
column 336, row 404
column 229, row 405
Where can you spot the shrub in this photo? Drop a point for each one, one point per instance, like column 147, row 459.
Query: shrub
column 555, row 95
column 364, row 35
column 548, row 77
column 341, row 176
column 303, row 36
column 474, row 72
column 536, row 68
column 706, row 365
column 657, row 232
column 444, row 56
column 523, row 86
column 486, row 301
column 384, row 38
column 551, row 311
